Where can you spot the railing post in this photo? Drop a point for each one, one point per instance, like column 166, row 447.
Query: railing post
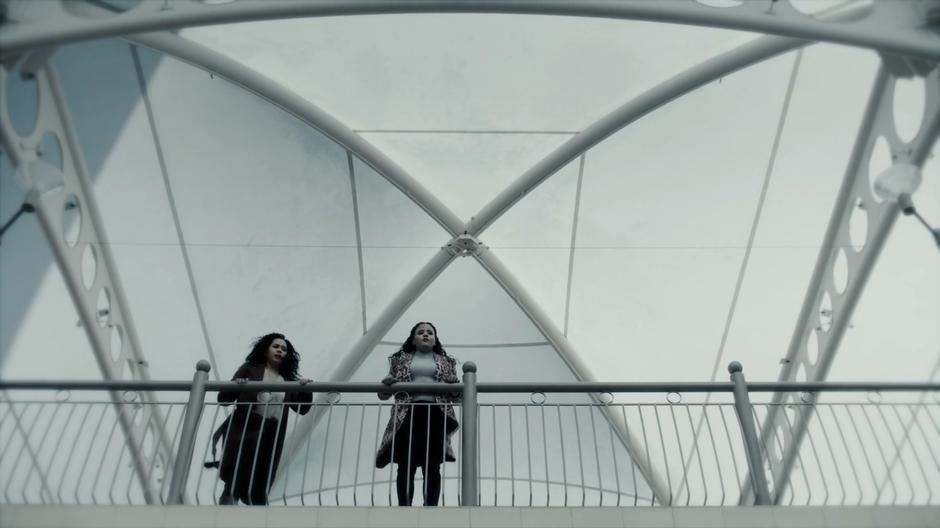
column 469, row 479
column 755, row 462
column 184, row 455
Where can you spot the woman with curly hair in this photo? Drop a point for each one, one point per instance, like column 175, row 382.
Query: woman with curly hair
column 419, row 430
column 254, row 432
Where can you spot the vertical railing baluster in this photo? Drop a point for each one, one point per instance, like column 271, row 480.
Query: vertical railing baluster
column 117, row 464
column 646, row 443
column 564, row 464
column 597, row 455
column 799, row 457
column 375, row 449
column 927, row 444
column 34, row 456
column 662, row 444
column 881, row 453
column 495, row 456
column 897, row 448
column 342, row 446
column 907, row 441
column 711, row 438
column 577, row 435
column 326, row 443
column 755, row 462
column 685, row 473
column 166, row 481
column 55, row 449
column 698, row 456
column 528, row 446
column 848, row 455
column 303, row 478
column 613, row 453
column 184, row 457
column 443, row 491
column 68, row 463
column 775, row 494
column 636, row 492
column 205, row 452
column 512, row 460
column 548, row 486
column 362, row 422
column 94, row 483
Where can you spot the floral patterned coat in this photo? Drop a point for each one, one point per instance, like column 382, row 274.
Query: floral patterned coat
column 400, row 370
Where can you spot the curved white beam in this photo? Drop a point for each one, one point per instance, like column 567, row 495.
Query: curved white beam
column 854, row 195
column 675, row 87
column 205, row 58
column 44, row 24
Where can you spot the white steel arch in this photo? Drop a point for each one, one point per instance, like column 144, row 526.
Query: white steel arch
column 892, row 27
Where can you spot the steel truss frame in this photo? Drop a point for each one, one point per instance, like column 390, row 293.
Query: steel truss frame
column 828, row 305
column 86, row 263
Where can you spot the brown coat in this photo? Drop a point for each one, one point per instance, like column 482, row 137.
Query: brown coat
column 241, row 437
column 400, row 370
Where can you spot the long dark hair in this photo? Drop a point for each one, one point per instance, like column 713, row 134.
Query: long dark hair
column 259, row 355
column 409, row 344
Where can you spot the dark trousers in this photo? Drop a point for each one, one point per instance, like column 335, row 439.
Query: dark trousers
column 420, row 443
column 250, row 473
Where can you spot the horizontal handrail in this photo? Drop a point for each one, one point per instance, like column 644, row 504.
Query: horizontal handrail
column 530, row 454
column 500, row 387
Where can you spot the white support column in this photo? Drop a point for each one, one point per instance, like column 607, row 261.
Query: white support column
column 98, row 296
column 890, row 26
column 828, row 305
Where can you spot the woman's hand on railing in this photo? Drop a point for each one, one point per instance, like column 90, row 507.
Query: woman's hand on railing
column 304, row 381
column 387, row 381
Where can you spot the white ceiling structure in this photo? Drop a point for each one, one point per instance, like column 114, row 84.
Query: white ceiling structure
column 615, row 191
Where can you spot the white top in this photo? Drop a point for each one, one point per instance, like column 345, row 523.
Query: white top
column 423, row 369
column 274, row 400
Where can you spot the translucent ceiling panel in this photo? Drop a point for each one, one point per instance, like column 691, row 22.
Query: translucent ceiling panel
column 265, row 206
column 822, row 123
column 468, row 307
column 309, row 294
column 533, row 239
column 103, row 88
column 466, row 170
column 665, row 211
column 398, row 238
column 459, row 72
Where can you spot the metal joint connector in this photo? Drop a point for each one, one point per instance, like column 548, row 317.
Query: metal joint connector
column 465, row 245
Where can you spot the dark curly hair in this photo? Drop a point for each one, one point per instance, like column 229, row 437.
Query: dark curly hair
column 259, row 355
column 409, row 345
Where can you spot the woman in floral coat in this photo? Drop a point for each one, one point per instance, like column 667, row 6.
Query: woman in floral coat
column 419, row 430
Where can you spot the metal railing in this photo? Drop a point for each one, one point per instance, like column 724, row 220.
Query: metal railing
column 519, row 444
